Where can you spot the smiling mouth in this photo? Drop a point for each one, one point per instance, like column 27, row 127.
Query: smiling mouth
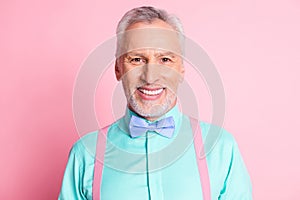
column 151, row 92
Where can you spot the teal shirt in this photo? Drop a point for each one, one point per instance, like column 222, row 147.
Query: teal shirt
column 155, row 167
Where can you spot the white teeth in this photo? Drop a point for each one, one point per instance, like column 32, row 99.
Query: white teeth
column 151, row 92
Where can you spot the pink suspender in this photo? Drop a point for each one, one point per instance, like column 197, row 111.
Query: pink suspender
column 99, row 159
column 202, row 165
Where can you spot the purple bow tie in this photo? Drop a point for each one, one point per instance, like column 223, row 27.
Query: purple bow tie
column 164, row 127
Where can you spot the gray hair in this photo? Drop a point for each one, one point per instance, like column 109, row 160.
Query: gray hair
column 146, row 14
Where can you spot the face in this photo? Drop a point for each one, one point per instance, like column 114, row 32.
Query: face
column 150, row 68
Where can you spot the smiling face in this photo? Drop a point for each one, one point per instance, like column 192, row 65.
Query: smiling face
column 150, row 68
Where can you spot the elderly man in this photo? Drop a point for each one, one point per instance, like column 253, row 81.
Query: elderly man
column 151, row 152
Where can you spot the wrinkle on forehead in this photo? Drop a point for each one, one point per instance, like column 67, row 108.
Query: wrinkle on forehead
column 150, row 38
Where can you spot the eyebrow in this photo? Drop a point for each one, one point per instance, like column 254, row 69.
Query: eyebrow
column 167, row 53
column 135, row 54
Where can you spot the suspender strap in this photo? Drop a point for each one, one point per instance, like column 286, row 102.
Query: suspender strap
column 99, row 160
column 201, row 160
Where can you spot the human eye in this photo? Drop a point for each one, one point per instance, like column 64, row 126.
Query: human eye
column 166, row 60
column 137, row 60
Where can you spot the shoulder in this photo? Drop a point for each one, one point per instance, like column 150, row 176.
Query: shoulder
column 221, row 133
column 84, row 148
column 217, row 138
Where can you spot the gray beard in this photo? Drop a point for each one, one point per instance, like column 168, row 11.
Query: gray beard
column 156, row 110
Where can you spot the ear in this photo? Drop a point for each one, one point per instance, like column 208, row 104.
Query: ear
column 118, row 70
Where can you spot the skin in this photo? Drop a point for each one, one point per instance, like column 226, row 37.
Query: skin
column 150, row 68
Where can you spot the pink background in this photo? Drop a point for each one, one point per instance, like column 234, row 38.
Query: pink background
column 254, row 44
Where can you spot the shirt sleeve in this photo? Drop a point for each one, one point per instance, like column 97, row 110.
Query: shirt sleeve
column 237, row 184
column 73, row 178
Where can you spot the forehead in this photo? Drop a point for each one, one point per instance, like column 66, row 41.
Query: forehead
column 155, row 35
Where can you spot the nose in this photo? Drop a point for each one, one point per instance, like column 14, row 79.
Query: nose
column 150, row 73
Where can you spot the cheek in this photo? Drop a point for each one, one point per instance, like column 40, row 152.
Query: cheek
column 130, row 81
column 172, row 79
column 127, row 68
